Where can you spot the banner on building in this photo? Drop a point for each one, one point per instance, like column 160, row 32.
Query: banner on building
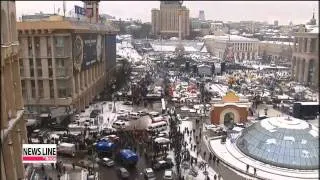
column 87, row 50
column 39, row 153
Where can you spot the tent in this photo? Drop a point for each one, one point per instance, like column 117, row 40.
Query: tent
column 128, row 155
column 104, row 145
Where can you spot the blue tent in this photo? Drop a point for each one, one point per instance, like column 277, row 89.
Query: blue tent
column 129, row 156
column 104, row 145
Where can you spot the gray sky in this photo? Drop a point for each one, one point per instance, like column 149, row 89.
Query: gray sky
column 284, row 11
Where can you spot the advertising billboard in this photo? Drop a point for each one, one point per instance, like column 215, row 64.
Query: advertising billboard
column 86, row 50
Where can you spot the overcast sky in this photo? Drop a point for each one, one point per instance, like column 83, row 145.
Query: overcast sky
column 284, row 11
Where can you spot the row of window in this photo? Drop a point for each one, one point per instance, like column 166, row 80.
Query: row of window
column 59, row 43
column 62, row 91
column 60, row 65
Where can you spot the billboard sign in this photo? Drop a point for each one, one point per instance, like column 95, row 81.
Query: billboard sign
column 39, row 153
column 86, row 50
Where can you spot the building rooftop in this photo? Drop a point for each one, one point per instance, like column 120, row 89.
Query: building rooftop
column 232, row 38
column 64, row 24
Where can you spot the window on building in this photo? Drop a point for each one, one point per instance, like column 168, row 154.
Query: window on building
column 40, row 85
column 21, row 67
column 49, row 47
column 33, row 89
column 31, row 72
column 39, row 72
column 49, row 63
column 59, row 41
column 23, row 88
column 50, row 72
column 38, row 61
column 62, row 93
column 30, row 46
column 31, row 62
column 51, row 89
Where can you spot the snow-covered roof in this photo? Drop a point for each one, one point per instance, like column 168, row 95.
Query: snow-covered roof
column 314, row 30
column 232, row 38
column 172, row 48
column 284, row 122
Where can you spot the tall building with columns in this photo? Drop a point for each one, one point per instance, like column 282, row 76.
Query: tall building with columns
column 62, row 65
column 305, row 58
column 13, row 125
column 241, row 48
column 165, row 22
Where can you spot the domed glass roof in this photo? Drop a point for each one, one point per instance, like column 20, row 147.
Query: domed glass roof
column 283, row 142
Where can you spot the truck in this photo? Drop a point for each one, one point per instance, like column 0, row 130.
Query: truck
column 67, row 149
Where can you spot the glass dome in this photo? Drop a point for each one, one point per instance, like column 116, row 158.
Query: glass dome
column 283, row 142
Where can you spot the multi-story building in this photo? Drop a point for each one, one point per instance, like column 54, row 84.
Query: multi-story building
column 165, row 22
column 13, row 125
column 241, row 48
column 305, row 59
column 62, row 64
column 276, row 51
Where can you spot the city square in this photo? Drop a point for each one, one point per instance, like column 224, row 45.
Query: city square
column 177, row 98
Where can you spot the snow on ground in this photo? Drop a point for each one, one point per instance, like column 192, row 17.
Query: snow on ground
column 201, row 176
column 126, row 50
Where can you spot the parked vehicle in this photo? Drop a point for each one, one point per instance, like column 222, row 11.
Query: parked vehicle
column 142, row 113
column 149, row 174
column 134, row 115
column 163, row 165
column 123, row 173
column 107, row 162
column 158, row 126
column 168, row 174
column 119, row 125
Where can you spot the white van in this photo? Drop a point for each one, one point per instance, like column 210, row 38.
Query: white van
column 158, row 126
column 119, row 125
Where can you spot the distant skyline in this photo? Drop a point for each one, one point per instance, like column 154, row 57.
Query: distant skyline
column 299, row 12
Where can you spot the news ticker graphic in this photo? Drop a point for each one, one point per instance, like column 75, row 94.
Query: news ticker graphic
column 39, row 153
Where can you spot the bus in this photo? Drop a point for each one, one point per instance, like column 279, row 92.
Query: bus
column 158, row 126
column 127, row 157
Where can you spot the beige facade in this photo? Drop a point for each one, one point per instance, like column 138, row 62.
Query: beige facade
column 277, row 51
column 305, row 59
column 243, row 48
column 13, row 129
column 52, row 79
column 165, row 22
